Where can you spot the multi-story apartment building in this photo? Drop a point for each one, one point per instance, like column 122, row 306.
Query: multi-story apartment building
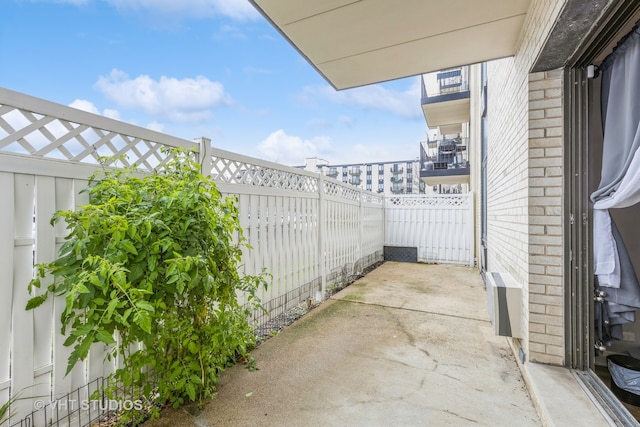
column 392, row 177
column 444, row 157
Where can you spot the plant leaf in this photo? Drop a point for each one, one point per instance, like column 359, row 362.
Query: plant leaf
column 36, row 301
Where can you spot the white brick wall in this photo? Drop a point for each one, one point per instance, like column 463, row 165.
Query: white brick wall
column 525, row 177
column 546, row 296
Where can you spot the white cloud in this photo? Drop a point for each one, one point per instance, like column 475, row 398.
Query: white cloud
column 84, row 105
column 112, row 114
column 373, row 153
column 240, row 10
column 292, row 150
column 157, row 126
column 88, row 106
column 187, row 100
column 373, row 97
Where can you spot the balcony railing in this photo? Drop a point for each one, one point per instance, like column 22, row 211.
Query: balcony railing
column 332, row 173
column 396, row 170
column 451, row 83
column 397, row 189
column 397, row 178
column 355, row 181
column 355, row 171
column 443, row 158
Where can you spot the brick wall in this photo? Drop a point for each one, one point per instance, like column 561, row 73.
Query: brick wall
column 524, row 176
column 546, row 292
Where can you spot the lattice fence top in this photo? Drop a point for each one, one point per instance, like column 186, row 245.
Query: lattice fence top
column 39, row 128
column 247, row 172
column 336, row 189
column 373, row 199
column 449, row 200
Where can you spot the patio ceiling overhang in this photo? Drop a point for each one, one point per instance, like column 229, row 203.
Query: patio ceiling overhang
column 359, row 42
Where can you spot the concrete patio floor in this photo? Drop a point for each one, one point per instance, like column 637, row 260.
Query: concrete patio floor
column 406, row 345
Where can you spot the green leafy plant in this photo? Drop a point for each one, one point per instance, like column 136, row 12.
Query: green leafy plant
column 153, row 261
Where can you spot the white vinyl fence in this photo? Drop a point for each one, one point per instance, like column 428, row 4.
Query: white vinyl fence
column 439, row 226
column 308, row 231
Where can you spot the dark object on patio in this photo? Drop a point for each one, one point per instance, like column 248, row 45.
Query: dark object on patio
column 625, row 378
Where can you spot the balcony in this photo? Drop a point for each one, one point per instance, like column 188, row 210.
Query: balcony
column 355, row 171
column 397, row 189
column 444, row 162
column 446, row 99
column 355, row 181
column 333, row 172
column 396, row 179
column 396, row 170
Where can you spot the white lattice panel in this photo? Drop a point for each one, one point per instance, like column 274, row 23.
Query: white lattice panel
column 38, row 128
column 372, row 199
column 343, row 191
column 261, row 174
column 439, row 201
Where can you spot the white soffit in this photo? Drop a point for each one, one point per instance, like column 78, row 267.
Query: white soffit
column 447, row 113
column 354, row 43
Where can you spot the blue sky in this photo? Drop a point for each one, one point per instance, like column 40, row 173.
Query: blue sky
column 211, row 68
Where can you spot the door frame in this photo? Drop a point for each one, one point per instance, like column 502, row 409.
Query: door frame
column 579, row 280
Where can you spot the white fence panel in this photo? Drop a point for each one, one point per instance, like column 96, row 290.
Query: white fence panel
column 7, row 241
column 304, row 229
column 440, row 227
column 372, row 224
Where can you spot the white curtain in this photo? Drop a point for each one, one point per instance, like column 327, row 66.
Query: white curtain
column 620, row 182
column 619, row 188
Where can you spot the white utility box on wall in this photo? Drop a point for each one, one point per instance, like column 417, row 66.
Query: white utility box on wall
column 504, row 301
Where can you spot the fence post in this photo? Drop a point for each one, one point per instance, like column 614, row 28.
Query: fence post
column 471, row 230
column 322, row 229
column 204, row 146
column 384, row 223
column 361, row 231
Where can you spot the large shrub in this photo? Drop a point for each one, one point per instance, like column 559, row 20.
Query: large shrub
column 153, row 261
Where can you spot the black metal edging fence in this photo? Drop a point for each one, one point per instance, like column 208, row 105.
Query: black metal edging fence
column 76, row 408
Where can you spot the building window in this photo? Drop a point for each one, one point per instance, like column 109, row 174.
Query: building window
column 368, row 186
column 380, row 188
column 369, row 168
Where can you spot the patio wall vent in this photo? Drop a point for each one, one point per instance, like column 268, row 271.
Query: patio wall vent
column 401, row 253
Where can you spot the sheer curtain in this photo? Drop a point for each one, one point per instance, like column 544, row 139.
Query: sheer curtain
column 620, row 181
